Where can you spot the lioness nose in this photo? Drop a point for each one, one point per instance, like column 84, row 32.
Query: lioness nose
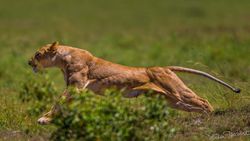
column 29, row 62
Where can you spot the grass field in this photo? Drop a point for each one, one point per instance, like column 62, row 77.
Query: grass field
column 213, row 36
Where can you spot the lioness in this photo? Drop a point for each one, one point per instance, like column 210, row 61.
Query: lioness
column 83, row 70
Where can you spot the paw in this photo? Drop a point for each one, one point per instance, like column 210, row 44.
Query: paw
column 44, row 120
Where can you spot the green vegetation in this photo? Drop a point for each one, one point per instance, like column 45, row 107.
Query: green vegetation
column 213, row 36
column 111, row 117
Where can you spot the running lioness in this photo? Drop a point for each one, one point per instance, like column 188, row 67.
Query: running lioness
column 83, row 70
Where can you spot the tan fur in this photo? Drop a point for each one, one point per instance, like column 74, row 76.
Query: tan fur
column 83, row 70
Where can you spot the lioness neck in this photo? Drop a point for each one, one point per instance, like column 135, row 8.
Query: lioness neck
column 73, row 58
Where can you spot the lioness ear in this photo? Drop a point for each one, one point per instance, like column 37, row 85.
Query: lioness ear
column 53, row 46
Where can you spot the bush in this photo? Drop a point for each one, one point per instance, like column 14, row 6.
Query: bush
column 112, row 117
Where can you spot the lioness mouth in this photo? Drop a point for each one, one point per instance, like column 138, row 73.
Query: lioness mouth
column 35, row 70
column 34, row 64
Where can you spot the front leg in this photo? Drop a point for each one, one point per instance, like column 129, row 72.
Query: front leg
column 55, row 109
column 64, row 98
column 78, row 80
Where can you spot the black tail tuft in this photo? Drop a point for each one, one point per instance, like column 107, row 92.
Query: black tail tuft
column 237, row 90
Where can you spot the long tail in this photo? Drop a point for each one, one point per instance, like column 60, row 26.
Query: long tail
column 188, row 70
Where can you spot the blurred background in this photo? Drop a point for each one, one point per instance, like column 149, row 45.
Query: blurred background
column 213, row 36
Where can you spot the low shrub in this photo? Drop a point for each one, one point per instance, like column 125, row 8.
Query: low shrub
column 112, row 117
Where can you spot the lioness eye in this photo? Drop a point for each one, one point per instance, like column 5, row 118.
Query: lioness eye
column 37, row 55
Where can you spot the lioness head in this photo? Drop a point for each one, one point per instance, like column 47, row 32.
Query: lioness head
column 43, row 57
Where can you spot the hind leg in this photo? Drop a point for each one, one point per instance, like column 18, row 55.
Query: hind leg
column 190, row 102
column 189, row 97
column 136, row 91
column 177, row 93
column 174, row 103
column 187, row 107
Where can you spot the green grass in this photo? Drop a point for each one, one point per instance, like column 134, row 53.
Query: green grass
column 213, row 36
